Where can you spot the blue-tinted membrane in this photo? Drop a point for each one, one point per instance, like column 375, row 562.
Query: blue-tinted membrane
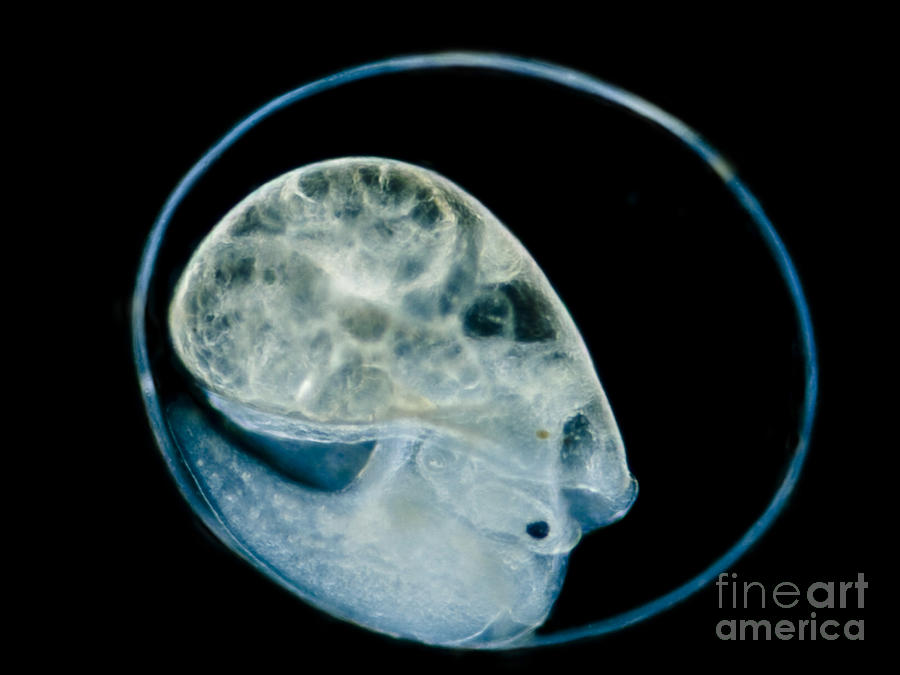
column 526, row 69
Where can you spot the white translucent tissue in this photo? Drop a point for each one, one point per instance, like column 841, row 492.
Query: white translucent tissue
column 414, row 437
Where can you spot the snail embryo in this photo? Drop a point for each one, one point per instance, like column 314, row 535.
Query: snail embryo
column 410, row 433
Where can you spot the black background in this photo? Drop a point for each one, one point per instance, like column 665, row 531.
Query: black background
column 150, row 583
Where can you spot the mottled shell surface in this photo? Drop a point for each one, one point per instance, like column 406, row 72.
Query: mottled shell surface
column 414, row 435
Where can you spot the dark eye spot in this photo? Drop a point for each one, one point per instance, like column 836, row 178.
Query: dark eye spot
column 538, row 529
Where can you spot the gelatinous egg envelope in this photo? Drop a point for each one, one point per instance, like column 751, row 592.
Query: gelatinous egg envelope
column 414, row 436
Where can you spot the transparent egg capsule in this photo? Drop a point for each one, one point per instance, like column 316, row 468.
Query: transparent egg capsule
column 377, row 352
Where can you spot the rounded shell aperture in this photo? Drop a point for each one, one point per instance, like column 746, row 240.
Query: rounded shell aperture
column 414, row 436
